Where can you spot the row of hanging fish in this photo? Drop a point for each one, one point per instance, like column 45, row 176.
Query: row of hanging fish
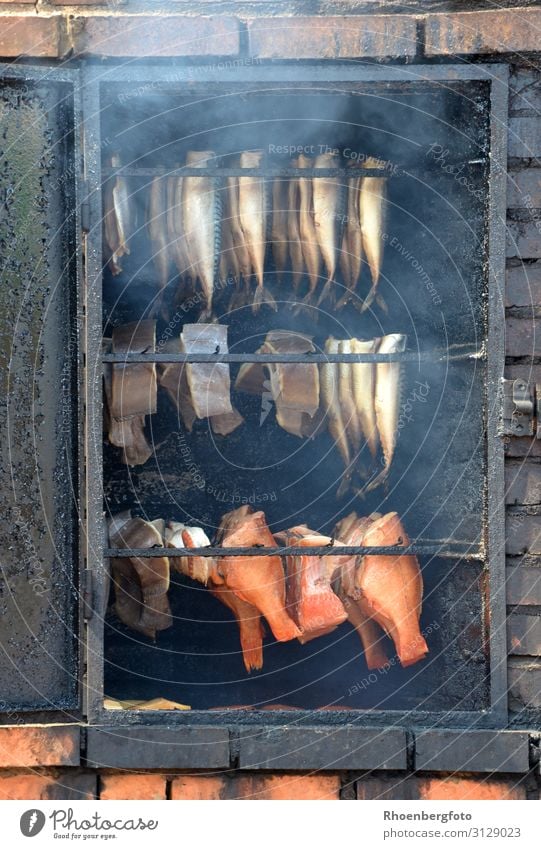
column 321, row 225
column 299, row 597
column 359, row 403
column 206, row 233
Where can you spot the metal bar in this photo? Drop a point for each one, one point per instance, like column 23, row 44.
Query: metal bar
column 93, row 520
column 268, row 171
column 323, row 75
column 406, row 356
column 285, row 172
column 293, row 550
column 495, row 494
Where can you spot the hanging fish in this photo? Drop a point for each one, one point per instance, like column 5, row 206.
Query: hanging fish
column 118, row 217
column 387, row 403
column 279, row 230
column 253, row 221
column 307, row 229
column 200, row 211
column 373, row 208
column 352, row 246
column 327, row 209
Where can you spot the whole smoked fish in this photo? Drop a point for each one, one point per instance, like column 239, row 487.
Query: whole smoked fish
column 253, row 220
column 327, row 209
column 387, row 402
column 200, row 211
column 373, row 206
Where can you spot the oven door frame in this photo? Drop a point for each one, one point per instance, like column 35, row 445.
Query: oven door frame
column 212, row 728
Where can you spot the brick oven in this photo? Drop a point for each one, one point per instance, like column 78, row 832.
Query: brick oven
column 122, row 673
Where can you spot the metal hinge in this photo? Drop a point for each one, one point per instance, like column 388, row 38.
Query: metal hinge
column 519, row 408
column 87, row 589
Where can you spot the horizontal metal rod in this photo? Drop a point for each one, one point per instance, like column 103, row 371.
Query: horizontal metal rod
column 405, row 356
column 390, row 170
column 294, row 550
column 251, row 172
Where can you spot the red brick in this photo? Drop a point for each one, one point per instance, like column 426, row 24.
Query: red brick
column 524, row 677
column 450, row 789
column 387, row 788
column 523, row 285
column 275, row 787
column 522, row 337
column 198, row 787
column 333, row 37
column 25, row 36
column 491, row 31
column 24, row 746
column 137, row 786
column 32, row 785
column 143, row 35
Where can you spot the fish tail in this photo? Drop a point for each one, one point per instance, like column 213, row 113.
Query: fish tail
column 345, row 483
column 346, row 297
column 370, row 298
column 326, row 292
column 382, row 304
column 374, row 482
column 263, row 296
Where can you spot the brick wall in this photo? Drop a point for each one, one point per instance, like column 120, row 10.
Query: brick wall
column 40, row 768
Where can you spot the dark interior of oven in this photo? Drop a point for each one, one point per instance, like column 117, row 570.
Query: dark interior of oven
column 434, row 283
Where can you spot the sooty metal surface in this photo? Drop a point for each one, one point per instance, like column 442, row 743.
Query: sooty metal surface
column 38, row 392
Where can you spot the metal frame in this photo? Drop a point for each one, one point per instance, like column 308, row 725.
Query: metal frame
column 44, row 74
column 324, row 75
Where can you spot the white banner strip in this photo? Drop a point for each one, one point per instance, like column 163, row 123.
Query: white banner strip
column 260, row 825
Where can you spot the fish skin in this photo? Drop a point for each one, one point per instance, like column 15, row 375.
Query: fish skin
column 373, row 204
column 250, row 625
column 199, row 199
column 391, row 589
column 241, row 296
column 157, row 230
column 387, row 403
column 364, row 383
column 347, row 401
column 352, row 243
column 110, row 230
column 253, row 221
column 123, row 210
column 326, row 200
column 228, row 254
column 329, row 386
column 279, row 230
column 176, row 229
column 307, row 229
column 293, row 231
column 257, row 580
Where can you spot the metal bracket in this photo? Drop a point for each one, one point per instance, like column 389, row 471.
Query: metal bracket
column 519, row 408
